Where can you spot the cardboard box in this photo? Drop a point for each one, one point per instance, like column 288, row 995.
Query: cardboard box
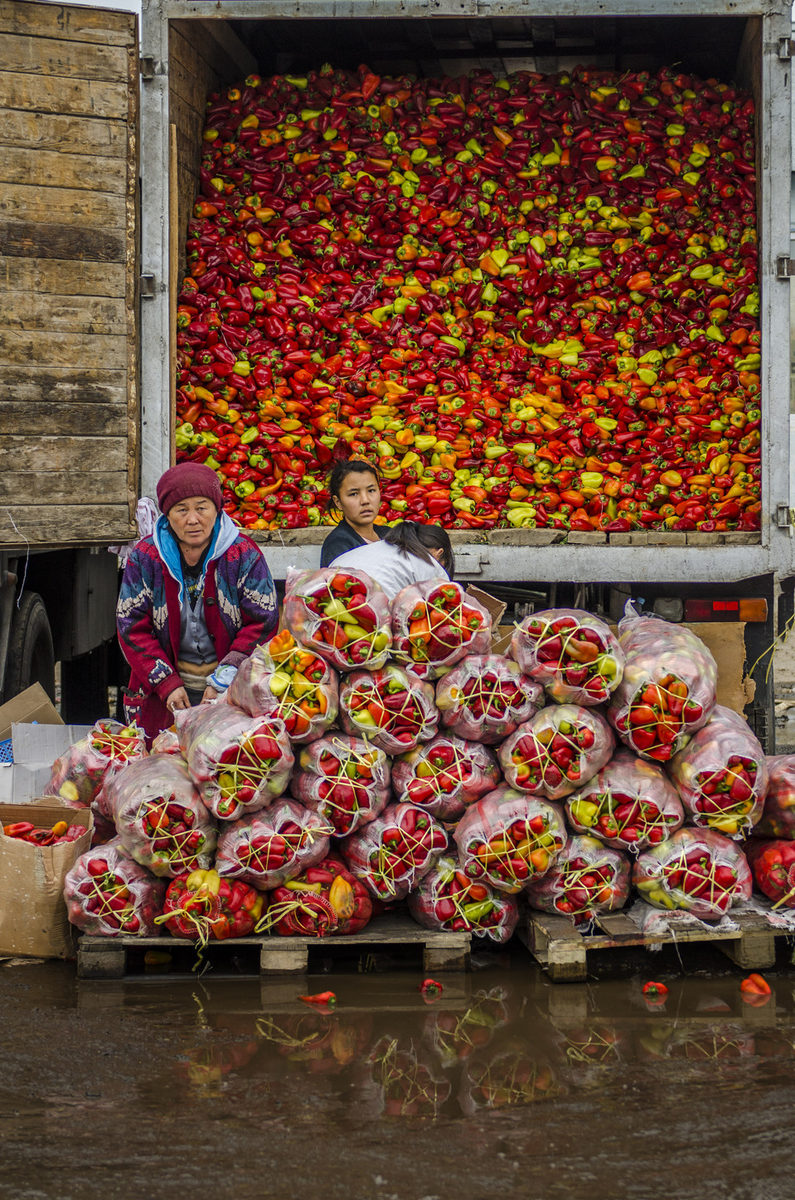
column 491, row 604
column 501, row 639
column 32, row 705
column 33, row 916
column 35, row 749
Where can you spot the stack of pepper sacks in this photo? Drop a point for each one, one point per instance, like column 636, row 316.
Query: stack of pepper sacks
column 559, row 776
column 531, row 301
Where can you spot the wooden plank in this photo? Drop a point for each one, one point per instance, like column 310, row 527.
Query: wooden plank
column 32, row 384
column 27, row 239
column 29, row 488
column 83, row 172
column 36, row 452
column 173, row 282
column 227, row 67
column 64, row 133
column 102, row 26
column 81, row 524
column 39, row 203
column 56, row 57
column 75, row 97
column 62, row 349
column 184, row 81
column 65, row 314
column 61, row 277
column 133, row 273
column 61, row 420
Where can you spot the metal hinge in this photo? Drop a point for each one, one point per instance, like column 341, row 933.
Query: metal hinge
column 147, row 67
column 147, row 286
column 786, row 48
column 784, row 516
column 785, row 267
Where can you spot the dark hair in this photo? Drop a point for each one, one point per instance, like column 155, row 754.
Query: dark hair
column 419, row 540
column 340, row 472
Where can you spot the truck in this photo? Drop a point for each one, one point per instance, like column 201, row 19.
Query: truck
column 102, row 150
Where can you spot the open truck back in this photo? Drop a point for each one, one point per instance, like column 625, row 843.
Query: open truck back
column 190, row 49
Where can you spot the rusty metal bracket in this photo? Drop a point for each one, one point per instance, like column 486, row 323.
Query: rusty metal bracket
column 786, row 48
column 785, row 267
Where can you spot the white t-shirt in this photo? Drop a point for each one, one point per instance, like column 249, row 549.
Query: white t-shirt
column 389, row 567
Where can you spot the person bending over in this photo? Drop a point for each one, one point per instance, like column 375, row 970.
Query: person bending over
column 408, row 553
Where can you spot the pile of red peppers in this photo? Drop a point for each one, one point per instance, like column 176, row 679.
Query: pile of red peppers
column 532, row 301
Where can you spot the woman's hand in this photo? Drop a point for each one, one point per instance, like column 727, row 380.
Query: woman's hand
column 209, row 694
column 177, row 699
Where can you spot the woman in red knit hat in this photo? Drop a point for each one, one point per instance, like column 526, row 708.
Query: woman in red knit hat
column 196, row 598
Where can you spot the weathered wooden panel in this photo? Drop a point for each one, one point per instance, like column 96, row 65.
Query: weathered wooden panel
column 78, row 97
column 61, row 349
column 64, row 206
column 64, row 314
column 33, row 384
column 27, row 240
column 86, row 455
column 68, row 274
column 83, row 172
column 101, row 26
column 58, row 487
column 184, row 78
column 60, row 277
column 49, row 56
column 78, row 524
column 66, row 134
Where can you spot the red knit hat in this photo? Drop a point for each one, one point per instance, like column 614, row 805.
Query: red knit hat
column 185, row 480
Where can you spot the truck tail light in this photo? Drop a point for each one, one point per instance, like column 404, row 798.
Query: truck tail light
column 725, row 610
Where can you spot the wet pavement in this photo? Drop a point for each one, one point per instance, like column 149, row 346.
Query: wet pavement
column 507, row 1086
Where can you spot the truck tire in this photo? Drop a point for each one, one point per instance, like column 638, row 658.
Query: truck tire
column 31, row 658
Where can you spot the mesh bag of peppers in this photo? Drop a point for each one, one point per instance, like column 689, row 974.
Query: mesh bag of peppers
column 448, row 899
column 343, row 779
column 408, row 1082
column 778, row 814
column 160, row 817
column 556, row 751
column 391, row 708
column 445, row 775
column 697, row 870
column 202, row 905
column 167, row 742
column 287, row 681
column 107, row 893
column 668, row 688
column 342, row 615
column 78, row 775
column 631, row 804
column 585, row 879
column 435, row 624
column 572, row 654
column 486, row 697
column 269, row 847
column 325, row 900
column 773, row 866
column 393, row 852
column 721, row 775
column 508, row 838
column 239, row 763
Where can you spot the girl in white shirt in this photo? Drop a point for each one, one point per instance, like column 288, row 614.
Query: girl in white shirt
column 408, row 553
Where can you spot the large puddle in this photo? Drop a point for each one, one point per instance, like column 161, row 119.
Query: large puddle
column 505, row 1086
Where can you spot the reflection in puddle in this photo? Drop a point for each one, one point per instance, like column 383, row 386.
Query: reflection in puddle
column 518, row 1040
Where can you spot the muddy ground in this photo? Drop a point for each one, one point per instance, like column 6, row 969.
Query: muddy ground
column 506, row 1087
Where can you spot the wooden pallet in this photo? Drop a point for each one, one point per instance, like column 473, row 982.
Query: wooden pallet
column 563, row 951
column 106, row 958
